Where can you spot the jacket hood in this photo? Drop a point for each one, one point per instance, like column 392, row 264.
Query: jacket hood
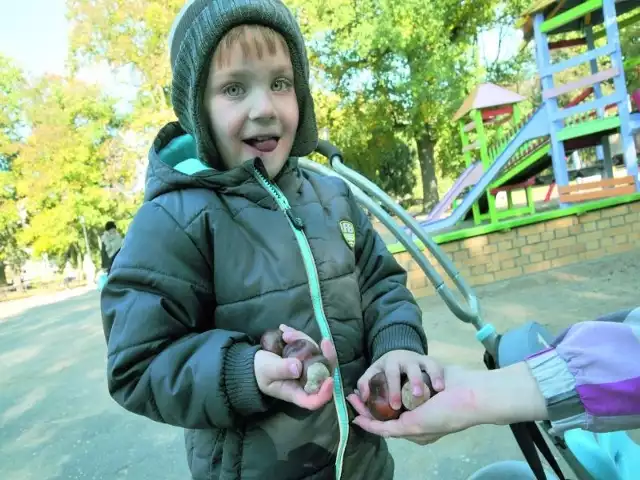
column 174, row 165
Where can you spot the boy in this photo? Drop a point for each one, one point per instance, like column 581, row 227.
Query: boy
column 234, row 239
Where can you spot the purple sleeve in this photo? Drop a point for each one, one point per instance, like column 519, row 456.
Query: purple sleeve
column 590, row 376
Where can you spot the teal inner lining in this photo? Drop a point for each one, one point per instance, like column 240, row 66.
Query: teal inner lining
column 181, row 154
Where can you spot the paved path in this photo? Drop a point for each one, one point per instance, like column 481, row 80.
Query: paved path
column 57, row 421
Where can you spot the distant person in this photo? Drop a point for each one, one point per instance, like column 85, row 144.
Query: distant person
column 68, row 274
column 111, row 244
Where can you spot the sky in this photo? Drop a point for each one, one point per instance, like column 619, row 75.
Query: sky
column 34, row 34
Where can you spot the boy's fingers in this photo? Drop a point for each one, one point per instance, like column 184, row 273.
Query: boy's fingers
column 315, row 401
column 414, row 375
column 282, row 369
column 290, row 335
column 435, row 372
column 392, row 373
column 363, row 383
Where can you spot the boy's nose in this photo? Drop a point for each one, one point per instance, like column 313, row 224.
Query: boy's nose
column 262, row 106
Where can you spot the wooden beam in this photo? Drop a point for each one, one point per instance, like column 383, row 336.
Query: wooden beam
column 605, row 50
column 470, row 126
column 585, row 107
column 576, row 100
column 602, row 32
column 581, row 83
column 597, row 194
column 609, row 187
column 573, row 42
column 570, row 15
column 472, row 146
column 607, row 182
column 556, row 10
column 489, row 114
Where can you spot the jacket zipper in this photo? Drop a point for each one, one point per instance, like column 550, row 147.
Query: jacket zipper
column 318, row 309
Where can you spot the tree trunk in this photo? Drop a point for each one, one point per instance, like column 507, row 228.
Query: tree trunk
column 425, row 146
column 3, row 277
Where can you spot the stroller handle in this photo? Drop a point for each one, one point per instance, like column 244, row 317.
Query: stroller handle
column 328, row 150
column 468, row 310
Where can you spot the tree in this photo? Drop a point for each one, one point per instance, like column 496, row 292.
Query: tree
column 413, row 59
column 130, row 36
column 66, row 168
column 12, row 84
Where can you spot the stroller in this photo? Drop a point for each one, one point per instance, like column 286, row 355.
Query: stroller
column 590, row 456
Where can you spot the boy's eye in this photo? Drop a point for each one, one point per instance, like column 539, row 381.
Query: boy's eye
column 282, row 84
column 233, row 90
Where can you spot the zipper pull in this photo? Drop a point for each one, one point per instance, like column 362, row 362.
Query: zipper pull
column 295, row 221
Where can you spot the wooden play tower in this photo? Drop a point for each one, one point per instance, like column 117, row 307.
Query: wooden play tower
column 487, row 118
column 600, row 91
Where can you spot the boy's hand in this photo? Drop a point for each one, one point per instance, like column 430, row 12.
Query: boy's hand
column 279, row 377
column 394, row 364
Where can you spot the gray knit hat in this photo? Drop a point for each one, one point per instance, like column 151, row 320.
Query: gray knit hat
column 195, row 34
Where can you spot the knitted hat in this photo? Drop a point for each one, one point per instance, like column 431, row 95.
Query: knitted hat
column 194, row 36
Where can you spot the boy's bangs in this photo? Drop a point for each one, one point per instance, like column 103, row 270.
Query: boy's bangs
column 254, row 40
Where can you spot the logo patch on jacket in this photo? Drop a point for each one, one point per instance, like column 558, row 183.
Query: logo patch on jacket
column 348, row 232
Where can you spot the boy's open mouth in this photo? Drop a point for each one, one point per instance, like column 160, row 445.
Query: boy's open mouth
column 263, row 144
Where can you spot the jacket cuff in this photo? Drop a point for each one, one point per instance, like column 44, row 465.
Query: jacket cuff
column 397, row 337
column 244, row 396
column 558, row 387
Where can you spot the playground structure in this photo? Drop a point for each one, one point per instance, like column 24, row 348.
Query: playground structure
column 522, row 146
column 506, row 150
column 590, row 456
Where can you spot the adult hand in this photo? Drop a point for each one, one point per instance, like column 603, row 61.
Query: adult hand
column 471, row 397
column 279, row 377
column 454, row 409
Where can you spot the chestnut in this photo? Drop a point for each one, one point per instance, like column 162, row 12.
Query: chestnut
column 300, row 349
column 315, row 367
column 378, row 401
column 272, row 341
column 410, row 402
column 315, row 370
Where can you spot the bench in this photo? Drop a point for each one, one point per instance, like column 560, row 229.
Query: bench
column 609, row 187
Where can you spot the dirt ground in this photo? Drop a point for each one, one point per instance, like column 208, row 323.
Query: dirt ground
column 57, row 421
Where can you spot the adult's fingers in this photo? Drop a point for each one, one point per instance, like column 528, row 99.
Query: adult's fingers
column 423, row 439
column 435, row 372
column 359, row 405
column 390, row 428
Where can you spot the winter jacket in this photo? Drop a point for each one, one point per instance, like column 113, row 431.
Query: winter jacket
column 209, row 263
column 590, row 376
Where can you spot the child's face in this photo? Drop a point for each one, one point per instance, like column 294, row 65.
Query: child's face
column 250, row 100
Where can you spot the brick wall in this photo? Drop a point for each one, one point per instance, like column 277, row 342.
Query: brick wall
column 533, row 248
